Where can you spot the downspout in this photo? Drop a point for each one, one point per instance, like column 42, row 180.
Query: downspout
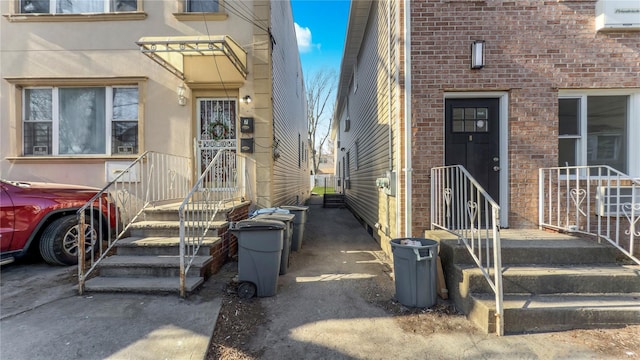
column 407, row 115
column 390, row 132
column 389, row 84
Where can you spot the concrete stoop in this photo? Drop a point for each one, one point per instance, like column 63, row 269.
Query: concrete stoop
column 551, row 282
column 333, row 201
column 148, row 261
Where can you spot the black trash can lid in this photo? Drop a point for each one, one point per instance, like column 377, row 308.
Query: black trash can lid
column 258, row 224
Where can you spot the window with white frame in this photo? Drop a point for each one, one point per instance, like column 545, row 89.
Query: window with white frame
column 63, row 121
column 355, row 77
column 347, row 171
column 355, row 155
column 76, row 6
column 597, row 129
column 299, row 151
column 206, row 6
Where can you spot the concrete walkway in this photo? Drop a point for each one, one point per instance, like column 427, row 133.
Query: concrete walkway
column 336, row 302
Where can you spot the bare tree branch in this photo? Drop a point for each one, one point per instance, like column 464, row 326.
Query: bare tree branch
column 320, row 102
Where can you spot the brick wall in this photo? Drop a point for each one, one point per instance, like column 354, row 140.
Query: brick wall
column 227, row 247
column 532, row 49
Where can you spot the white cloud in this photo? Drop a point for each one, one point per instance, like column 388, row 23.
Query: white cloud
column 305, row 41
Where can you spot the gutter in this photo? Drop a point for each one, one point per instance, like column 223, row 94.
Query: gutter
column 407, row 116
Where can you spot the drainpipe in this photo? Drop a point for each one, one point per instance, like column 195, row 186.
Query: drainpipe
column 390, row 84
column 407, row 115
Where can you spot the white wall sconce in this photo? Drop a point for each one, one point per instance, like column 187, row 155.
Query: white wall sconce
column 246, row 99
column 477, row 54
column 182, row 99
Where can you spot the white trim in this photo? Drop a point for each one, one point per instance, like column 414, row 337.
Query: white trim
column 634, row 129
column 55, row 115
column 505, row 186
column 108, row 113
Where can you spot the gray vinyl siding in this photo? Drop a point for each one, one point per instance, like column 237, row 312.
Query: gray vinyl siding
column 372, row 109
column 290, row 168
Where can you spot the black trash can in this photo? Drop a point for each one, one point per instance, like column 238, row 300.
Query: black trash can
column 298, row 224
column 287, row 219
column 415, row 270
column 259, row 253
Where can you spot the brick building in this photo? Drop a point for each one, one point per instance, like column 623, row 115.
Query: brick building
column 503, row 88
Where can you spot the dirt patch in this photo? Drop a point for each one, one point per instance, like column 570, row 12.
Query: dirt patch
column 237, row 322
column 619, row 343
column 442, row 317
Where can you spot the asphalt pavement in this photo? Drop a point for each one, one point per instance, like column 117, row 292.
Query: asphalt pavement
column 329, row 305
column 43, row 317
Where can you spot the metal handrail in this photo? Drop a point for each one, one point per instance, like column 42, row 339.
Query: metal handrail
column 596, row 200
column 223, row 182
column 151, row 179
column 461, row 206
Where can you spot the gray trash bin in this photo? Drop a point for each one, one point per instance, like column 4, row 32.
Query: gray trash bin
column 259, row 253
column 298, row 224
column 287, row 219
column 415, row 269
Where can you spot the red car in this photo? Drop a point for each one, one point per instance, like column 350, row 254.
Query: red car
column 43, row 217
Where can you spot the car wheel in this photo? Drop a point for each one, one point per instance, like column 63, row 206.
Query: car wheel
column 59, row 242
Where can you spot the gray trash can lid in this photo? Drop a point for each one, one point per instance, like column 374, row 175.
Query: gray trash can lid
column 274, row 216
column 295, row 207
column 413, row 243
column 270, row 211
column 258, row 224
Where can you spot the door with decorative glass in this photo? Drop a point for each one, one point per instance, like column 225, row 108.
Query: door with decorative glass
column 472, row 139
column 216, row 131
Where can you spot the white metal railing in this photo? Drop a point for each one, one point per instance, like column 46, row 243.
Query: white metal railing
column 461, row 206
column 151, row 179
column 592, row 200
column 224, row 181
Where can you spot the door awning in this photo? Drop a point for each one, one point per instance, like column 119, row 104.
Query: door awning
column 198, row 59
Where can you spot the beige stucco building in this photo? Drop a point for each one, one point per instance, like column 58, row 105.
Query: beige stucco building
column 88, row 86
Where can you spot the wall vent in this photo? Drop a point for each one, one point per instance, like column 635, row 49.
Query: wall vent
column 617, row 15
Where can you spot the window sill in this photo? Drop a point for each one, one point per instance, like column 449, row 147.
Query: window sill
column 201, row 16
column 123, row 16
column 90, row 159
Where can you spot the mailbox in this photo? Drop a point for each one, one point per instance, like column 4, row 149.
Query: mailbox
column 246, row 124
column 246, row 145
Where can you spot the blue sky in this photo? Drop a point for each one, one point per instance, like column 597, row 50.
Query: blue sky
column 320, row 28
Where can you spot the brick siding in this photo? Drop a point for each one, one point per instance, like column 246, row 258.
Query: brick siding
column 532, row 49
column 227, row 248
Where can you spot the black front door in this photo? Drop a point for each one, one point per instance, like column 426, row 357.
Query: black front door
column 472, row 140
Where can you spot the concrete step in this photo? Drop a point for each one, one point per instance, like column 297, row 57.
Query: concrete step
column 141, row 285
column 333, row 200
column 544, row 313
column 172, row 214
column 169, row 212
column 551, row 282
column 538, row 279
column 544, row 248
column 152, row 266
column 167, row 228
column 158, row 245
